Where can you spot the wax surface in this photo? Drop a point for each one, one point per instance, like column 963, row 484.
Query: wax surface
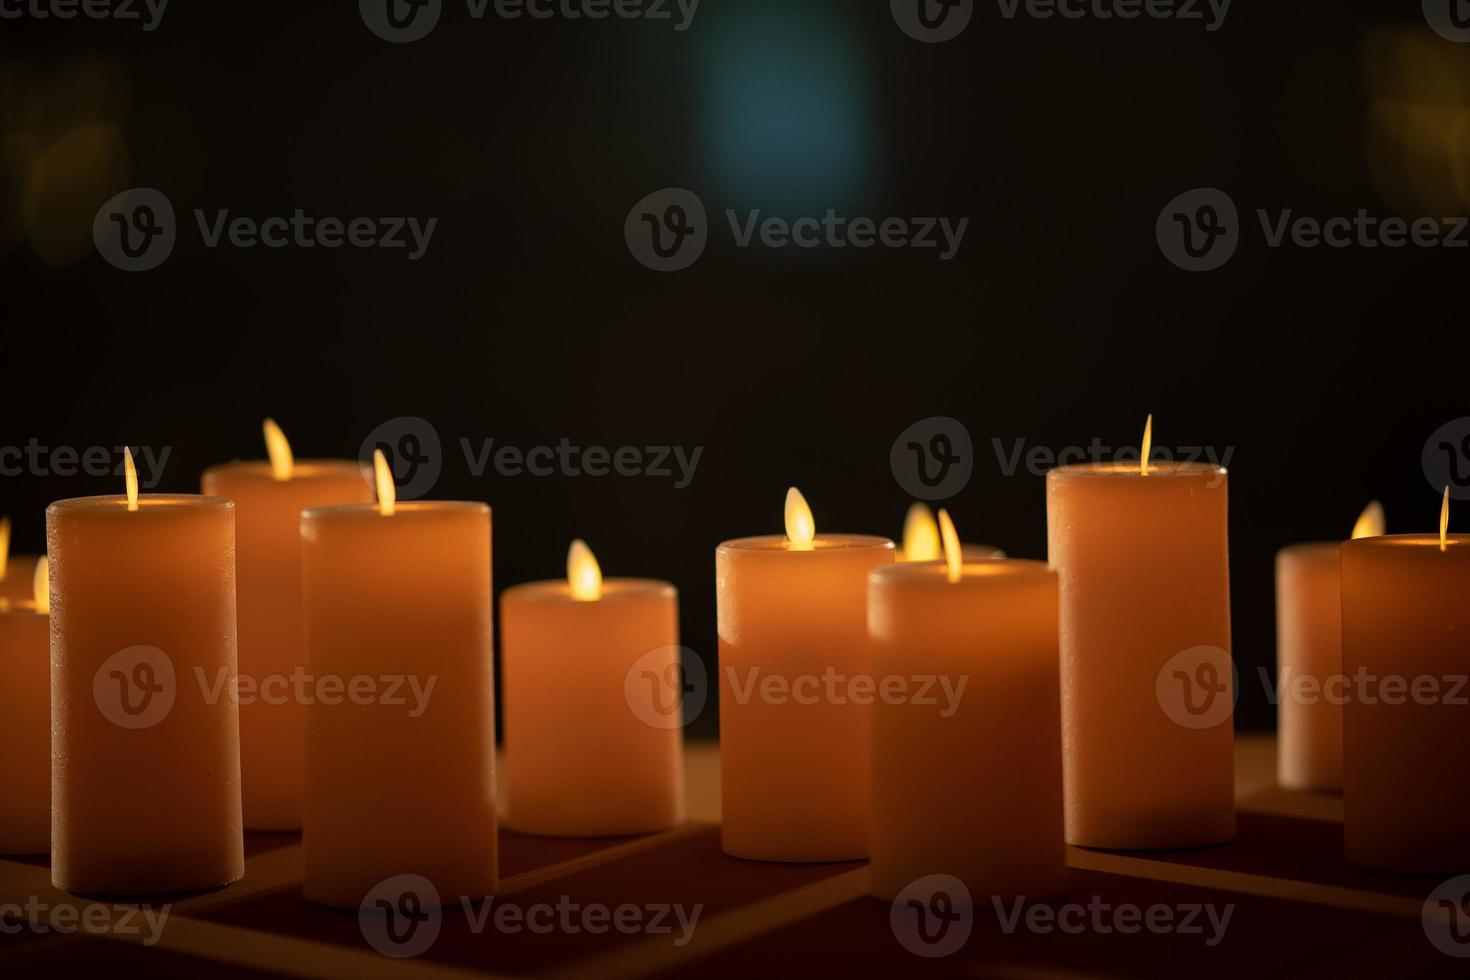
column 268, row 564
column 976, row 794
column 1309, row 667
column 794, row 775
column 156, row 808
column 1144, row 573
column 25, row 730
column 1406, row 625
column 579, row 759
column 17, row 584
column 398, row 600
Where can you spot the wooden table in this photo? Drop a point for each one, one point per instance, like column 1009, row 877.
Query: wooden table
column 1296, row 909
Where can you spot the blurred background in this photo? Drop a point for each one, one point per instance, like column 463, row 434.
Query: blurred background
column 1323, row 371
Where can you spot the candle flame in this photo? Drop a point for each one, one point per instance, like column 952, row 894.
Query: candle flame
column 1148, row 445
column 920, row 535
column 1371, row 523
column 1444, row 521
column 801, row 528
column 283, row 463
column 41, row 583
column 387, row 492
column 584, row 575
column 4, row 546
column 954, row 555
column 130, row 476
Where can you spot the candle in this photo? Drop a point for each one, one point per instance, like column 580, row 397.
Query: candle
column 1309, row 659
column 794, row 757
column 1405, row 649
column 145, row 790
column 921, row 539
column 400, row 737
column 269, row 499
column 15, row 570
column 1142, row 558
column 25, row 720
column 975, row 793
column 579, row 760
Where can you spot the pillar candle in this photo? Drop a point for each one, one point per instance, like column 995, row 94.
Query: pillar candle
column 145, row 790
column 25, row 722
column 398, row 594
column 1406, row 630
column 269, row 499
column 15, row 570
column 794, row 763
column 977, row 793
column 1143, row 565
column 579, row 759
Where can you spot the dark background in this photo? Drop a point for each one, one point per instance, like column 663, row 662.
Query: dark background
column 528, row 321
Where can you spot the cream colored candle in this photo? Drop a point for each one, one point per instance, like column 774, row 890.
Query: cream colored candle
column 1310, row 683
column 145, row 773
column 1142, row 555
column 269, row 499
column 1406, row 647
column 15, row 570
column 25, row 721
column 794, row 759
column 921, row 539
column 397, row 599
column 579, row 760
column 975, row 793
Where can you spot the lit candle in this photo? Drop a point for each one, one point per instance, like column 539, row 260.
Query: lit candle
column 400, row 735
column 1309, row 659
column 921, row 539
column 1142, row 555
column 145, row 792
column 1405, row 648
column 15, row 570
column 25, row 720
column 794, row 756
column 579, row 760
column 975, row 793
column 269, row 498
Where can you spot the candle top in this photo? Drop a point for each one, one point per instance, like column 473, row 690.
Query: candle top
column 822, row 542
column 1126, row 468
column 1452, row 542
column 155, row 502
column 301, row 469
column 921, row 574
column 406, row 509
column 613, row 589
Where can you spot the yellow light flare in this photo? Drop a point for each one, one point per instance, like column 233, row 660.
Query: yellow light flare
column 283, row 462
column 130, row 476
column 387, row 492
column 921, row 535
column 584, row 575
column 954, row 555
column 801, row 528
column 41, row 583
column 4, row 546
column 1444, row 521
column 1148, row 445
column 1371, row 522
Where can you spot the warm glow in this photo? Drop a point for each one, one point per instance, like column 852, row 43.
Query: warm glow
column 584, row 576
column 387, row 492
column 1444, row 521
column 800, row 527
column 4, row 546
column 130, row 474
column 1148, row 445
column 283, row 463
column 954, row 555
column 1371, row 523
column 920, row 535
column 42, row 585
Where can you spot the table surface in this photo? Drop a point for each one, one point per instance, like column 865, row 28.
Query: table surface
column 1297, row 909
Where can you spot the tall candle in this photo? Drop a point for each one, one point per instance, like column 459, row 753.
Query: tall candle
column 971, row 786
column 1310, row 683
column 579, row 760
column 397, row 599
column 25, row 721
column 1406, row 647
column 794, row 759
column 145, row 777
column 1141, row 552
column 921, row 539
column 269, row 499
column 15, row 570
